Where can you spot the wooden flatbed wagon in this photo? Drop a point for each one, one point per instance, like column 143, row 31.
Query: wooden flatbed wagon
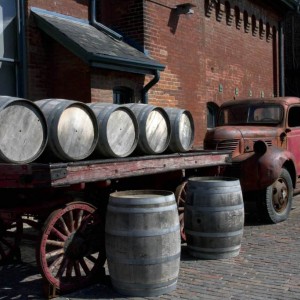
column 66, row 204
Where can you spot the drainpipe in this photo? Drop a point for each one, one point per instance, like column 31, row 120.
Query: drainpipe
column 99, row 26
column 22, row 58
column 281, row 60
column 148, row 86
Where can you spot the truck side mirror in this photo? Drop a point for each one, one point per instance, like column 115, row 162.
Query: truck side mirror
column 283, row 136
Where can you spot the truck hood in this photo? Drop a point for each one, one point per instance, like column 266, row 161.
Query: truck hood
column 238, row 132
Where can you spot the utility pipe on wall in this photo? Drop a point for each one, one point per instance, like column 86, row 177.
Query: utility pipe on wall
column 93, row 22
column 148, row 86
column 281, row 60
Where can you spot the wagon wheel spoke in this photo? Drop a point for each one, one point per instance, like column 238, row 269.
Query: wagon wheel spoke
column 71, row 221
column 84, row 267
column 10, row 238
column 71, row 252
column 55, row 265
column 65, row 228
column 62, row 268
column 77, row 269
column 180, row 195
column 79, row 219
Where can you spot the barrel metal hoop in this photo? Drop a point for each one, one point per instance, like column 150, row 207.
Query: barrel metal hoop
column 134, row 210
column 214, row 234
column 126, row 199
column 215, row 250
column 215, row 208
column 143, row 233
column 142, row 261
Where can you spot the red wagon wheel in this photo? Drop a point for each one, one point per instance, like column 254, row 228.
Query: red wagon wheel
column 71, row 253
column 10, row 238
column 180, row 195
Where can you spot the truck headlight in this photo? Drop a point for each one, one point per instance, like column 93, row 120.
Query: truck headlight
column 260, row 147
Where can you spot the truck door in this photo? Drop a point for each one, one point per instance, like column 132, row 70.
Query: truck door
column 293, row 134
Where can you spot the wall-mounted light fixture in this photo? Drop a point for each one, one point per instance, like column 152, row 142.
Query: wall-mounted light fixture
column 185, row 8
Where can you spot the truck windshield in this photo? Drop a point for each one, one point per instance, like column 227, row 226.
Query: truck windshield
column 245, row 114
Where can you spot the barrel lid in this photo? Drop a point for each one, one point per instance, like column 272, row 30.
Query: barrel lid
column 23, row 130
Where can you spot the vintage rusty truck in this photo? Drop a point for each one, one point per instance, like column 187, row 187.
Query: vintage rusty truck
column 263, row 136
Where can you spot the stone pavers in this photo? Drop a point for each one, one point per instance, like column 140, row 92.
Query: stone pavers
column 268, row 267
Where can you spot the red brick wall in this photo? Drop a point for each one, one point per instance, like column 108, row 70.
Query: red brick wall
column 52, row 70
column 125, row 17
column 74, row 8
column 68, row 76
column 103, row 82
column 204, row 51
column 37, row 66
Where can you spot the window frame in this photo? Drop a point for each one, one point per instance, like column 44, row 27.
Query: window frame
column 122, row 92
column 19, row 61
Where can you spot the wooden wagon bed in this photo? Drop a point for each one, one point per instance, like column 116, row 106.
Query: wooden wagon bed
column 35, row 175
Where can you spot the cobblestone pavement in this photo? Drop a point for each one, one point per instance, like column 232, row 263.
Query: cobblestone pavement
column 268, row 267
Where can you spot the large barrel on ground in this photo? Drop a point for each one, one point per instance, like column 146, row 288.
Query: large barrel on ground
column 143, row 242
column 23, row 130
column 214, row 217
column 73, row 129
column 182, row 129
column 118, row 129
column 154, row 128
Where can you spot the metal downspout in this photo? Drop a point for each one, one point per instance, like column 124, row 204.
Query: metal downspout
column 22, row 58
column 148, row 86
column 281, row 61
column 93, row 22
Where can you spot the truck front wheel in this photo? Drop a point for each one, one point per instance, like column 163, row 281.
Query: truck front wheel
column 276, row 202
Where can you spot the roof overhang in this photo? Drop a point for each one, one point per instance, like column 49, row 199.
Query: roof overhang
column 96, row 48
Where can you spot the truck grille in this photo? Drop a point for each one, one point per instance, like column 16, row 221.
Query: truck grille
column 269, row 143
column 222, row 145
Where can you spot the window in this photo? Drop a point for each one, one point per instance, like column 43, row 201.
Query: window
column 294, row 117
column 123, row 95
column 247, row 113
column 212, row 110
column 10, row 42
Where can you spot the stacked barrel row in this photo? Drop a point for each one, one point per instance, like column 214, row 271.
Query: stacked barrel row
column 67, row 130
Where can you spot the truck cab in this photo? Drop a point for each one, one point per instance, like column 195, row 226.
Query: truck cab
column 263, row 136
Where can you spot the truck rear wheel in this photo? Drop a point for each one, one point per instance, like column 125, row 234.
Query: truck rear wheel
column 275, row 206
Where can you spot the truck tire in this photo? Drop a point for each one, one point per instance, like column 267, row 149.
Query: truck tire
column 276, row 202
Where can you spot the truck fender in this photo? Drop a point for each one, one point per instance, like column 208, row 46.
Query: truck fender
column 258, row 170
column 271, row 163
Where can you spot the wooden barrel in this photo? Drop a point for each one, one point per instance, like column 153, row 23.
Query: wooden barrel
column 214, row 217
column 154, row 128
column 118, row 129
column 73, row 129
column 182, row 129
column 143, row 242
column 23, row 130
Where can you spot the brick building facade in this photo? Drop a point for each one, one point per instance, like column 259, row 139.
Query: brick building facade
column 201, row 55
column 224, row 50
